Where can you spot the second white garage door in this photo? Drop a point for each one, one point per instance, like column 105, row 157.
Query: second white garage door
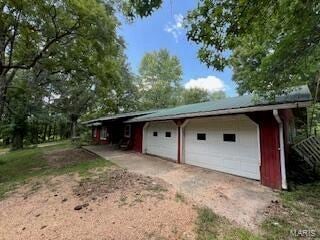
column 228, row 144
column 161, row 139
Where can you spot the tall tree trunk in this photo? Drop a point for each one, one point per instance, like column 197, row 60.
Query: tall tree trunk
column 5, row 81
column 35, row 133
column 49, row 132
column 2, row 95
column 17, row 140
column 74, row 121
column 44, row 132
column 54, row 131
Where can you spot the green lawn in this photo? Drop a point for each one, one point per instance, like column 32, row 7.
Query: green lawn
column 211, row 226
column 301, row 211
column 18, row 167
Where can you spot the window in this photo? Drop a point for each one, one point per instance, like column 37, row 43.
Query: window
column 95, row 132
column 227, row 137
column 104, row 133
column 155, row 134
column 127, row 131
column 201, row 136
column 168, row 134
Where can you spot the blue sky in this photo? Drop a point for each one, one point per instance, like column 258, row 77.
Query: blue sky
column 164, row 30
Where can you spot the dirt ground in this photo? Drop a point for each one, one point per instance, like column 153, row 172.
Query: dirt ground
column 116, row 205
column 61, row 158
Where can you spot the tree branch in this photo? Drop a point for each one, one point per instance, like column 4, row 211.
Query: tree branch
column 69, row 32
column 13, row 38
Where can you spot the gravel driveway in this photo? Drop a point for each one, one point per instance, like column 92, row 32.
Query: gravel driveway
column 241, row 200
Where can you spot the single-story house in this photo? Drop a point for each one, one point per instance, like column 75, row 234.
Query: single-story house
column 239, row 135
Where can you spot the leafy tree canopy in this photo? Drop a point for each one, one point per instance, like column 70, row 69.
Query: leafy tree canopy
column 194, row 95
column 139, row 8
column 271, row 45
column 217, row 95
column 159, row 80
column 50, row 32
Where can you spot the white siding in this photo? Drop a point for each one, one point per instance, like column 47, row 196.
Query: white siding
column 161, row 145
column 240, row 158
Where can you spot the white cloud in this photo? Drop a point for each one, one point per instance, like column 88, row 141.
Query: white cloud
column 175, row 28
column 210, row 83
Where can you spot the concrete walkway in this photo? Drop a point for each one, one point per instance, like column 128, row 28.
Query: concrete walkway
column 240, row 200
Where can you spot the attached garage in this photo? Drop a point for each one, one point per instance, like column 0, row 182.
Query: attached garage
column 161, row 139
column 227, row 143
column 244, row 135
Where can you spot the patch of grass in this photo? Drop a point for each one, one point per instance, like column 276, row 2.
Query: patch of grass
column 17, row 167
column 137, row 199
column 239, row 234
column 157, row 188
column 301, row 212
column 123, row 201
column 21, row 164
column 180, row 197
column 4, row 149
column 65, row 144
column 207, row 224
column 211, row 226
column 154, row 236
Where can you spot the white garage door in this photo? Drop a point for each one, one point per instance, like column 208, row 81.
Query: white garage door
column 228, row 144
column 161, row 139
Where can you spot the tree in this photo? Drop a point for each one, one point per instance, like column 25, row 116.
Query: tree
column 55, row 58
column 134, row 8
column 26, row 102
column 194, row 95
column 70, row 43
column 116, row 94
column 159, row 80
column 31, row 33
column 217, row 95
column 272, row 45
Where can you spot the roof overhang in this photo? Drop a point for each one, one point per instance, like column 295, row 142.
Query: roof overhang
column 121, row 116
column 225, row 111
column 94, row 124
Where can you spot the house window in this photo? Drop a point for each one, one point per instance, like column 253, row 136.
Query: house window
column 95, row 132
column 127, row 131
column 227, row 137
column 168, row 134
column 103, row 133
column 155, row 134
column 201, row 136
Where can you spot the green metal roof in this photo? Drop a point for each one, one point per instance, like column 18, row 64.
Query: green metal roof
column 230, row 105
column 118, row 116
